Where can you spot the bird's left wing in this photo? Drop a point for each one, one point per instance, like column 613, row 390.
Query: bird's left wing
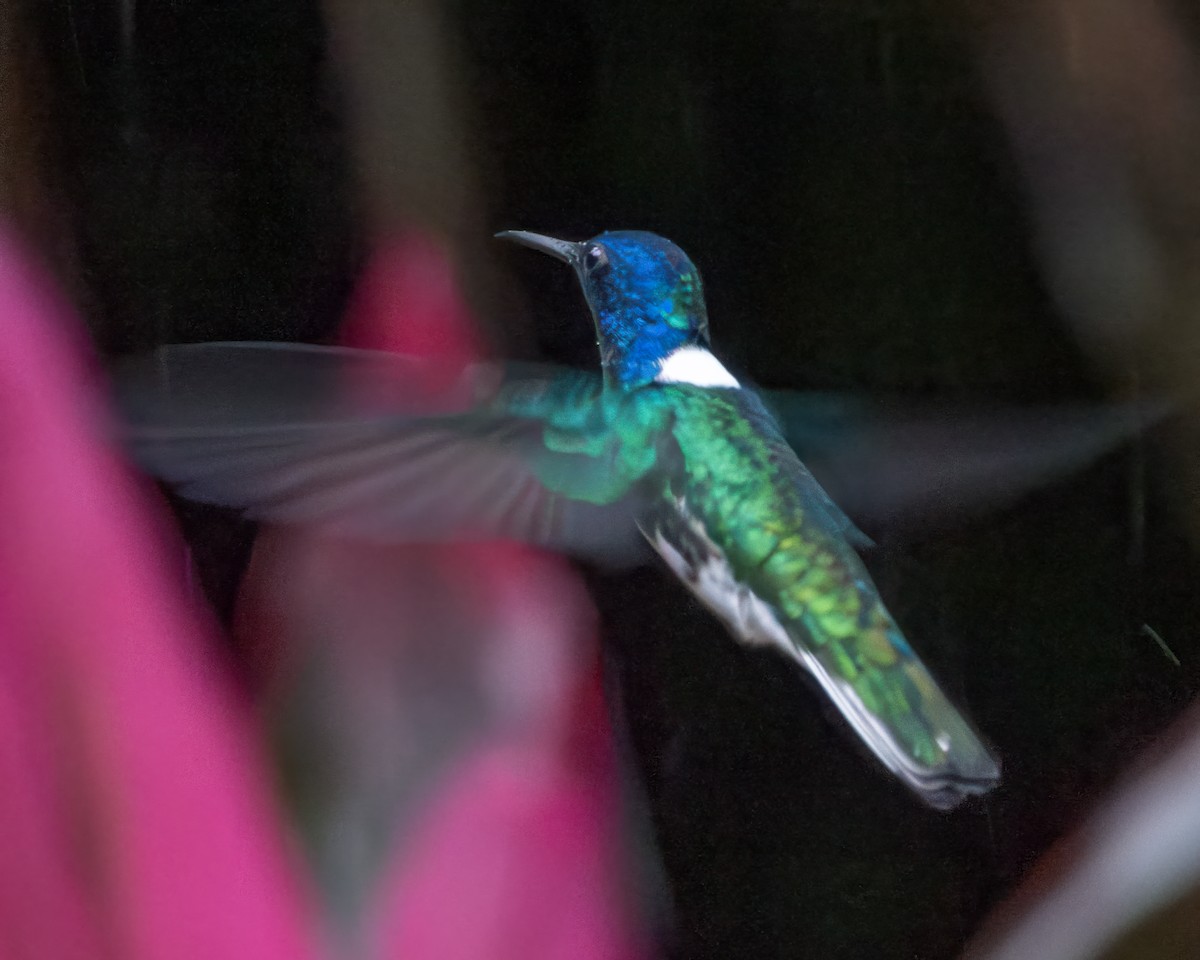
column 365, row 443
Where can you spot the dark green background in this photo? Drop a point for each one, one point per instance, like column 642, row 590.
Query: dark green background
column 837, row 174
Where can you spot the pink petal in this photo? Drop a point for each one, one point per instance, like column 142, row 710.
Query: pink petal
column 407, row 301
column 514, row 862
column 136, row 820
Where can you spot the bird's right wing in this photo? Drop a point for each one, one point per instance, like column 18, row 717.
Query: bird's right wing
column 910, row 465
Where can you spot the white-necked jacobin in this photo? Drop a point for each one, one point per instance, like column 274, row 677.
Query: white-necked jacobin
column 666, row 442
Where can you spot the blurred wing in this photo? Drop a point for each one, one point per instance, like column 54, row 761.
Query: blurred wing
column 361, row 443
column 236, row 385
column 906, row 464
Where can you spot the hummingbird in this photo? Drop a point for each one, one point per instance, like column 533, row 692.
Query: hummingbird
column 664, row 444
column 744, row 525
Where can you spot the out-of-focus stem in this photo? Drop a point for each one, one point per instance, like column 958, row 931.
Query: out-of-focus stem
column 27, row 161
column 1101, row 101
column 401, row 77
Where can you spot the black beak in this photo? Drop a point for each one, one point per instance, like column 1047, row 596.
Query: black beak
column 563, row 250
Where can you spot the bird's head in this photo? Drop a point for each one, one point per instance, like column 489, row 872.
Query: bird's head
column 645, row 295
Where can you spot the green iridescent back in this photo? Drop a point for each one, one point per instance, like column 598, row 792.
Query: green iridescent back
column 785, row 541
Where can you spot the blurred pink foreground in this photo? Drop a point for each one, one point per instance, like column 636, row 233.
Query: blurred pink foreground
column 138, row 817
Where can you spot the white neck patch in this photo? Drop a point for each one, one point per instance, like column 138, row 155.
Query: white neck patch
column 695, row 366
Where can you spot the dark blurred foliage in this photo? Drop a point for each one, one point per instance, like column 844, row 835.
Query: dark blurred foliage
column 838, row 174
column 206, row 168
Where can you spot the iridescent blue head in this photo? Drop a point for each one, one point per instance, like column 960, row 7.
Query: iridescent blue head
column 645, row 295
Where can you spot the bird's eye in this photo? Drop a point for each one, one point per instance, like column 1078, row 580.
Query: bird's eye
column 595, row 258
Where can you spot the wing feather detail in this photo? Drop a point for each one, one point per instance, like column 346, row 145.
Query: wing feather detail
column 357, row 442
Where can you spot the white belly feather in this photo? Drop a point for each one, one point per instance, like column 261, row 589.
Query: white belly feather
column 712, row 580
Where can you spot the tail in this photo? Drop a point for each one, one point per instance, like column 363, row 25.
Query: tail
column 895, row 706
column 811, row 597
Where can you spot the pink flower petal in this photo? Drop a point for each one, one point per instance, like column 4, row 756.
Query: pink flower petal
column 407, row 301
column 136, row 819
